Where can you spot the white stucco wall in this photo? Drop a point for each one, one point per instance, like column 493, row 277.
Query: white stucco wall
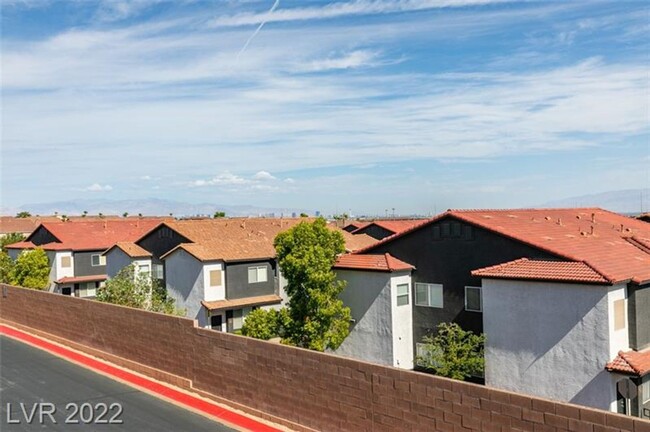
column 619, row 339
column 218, row 292
column 548, row 339
column 368, row 295
column 402, row 322
column 62, row 272
column 184, row 283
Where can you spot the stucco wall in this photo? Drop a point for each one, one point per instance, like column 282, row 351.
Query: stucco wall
column 402, row 322
column 237, row 285
column 368, row 295
column 548, row 339
column 184, row 282
column 217, row 292
column 116, row 260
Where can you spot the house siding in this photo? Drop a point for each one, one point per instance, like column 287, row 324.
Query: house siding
column 83, row 265
column 116, row 260
column 159, row 246
column 449, row 261
column 237, row 285
column 184, row 284
column 554, row 343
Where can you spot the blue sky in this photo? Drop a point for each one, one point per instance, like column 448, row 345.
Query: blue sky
column 417, row 105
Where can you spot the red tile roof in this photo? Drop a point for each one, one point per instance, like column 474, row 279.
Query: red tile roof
column 92, row 235
column 594, row 236
column 392, row 225
column 11, row 224
column 131, row 249
column 385, row 263
column 243, row 302
column 29, row 245
column 79, row 279
column 568, row 271
column 632, row 362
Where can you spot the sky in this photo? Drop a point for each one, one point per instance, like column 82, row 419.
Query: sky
column 351, row 106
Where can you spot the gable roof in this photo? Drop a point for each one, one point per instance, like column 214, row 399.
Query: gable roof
column 541, row 270
column 89, row 235
column 239, row 239
column 131, row 249
column 392, row 225
column 632, row 362
column 383, row 263
column 596, row 237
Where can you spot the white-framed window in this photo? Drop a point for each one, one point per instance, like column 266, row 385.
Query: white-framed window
column 427, row 294
column 97, row 260
column 257, row 274
column 158, row 271
column 402, row 294
column 473, row 299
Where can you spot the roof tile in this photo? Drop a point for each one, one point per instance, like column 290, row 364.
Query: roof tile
column 631, row 362
column 385, row 263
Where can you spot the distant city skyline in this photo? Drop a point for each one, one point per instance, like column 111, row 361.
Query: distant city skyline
column 344, row 106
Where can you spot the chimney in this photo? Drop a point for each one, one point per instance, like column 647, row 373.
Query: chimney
column 593, row 218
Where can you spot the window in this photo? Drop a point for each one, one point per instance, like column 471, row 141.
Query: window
column 66, row 261
column 158, row 271
column 473, row 300
column 66, row 291
column 619, row 314
column 402, row 294
column 234, row 320
column 95, row 260
column 144, row 268
column 257, row 274
column 215, row 278
column 428, row 295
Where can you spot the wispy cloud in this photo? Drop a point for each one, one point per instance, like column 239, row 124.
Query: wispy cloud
column 96, row 187
column 343, row 9
column 263, row 175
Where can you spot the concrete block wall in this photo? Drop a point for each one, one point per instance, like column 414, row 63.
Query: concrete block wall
column 300, row 388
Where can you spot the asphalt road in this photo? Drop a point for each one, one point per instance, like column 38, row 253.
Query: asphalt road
column 34, row 383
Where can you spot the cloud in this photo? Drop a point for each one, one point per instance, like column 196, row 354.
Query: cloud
column 263, row 175
column 352, row 60
column 224, row 179
column 343, row 9
column 289, row 180
column 96, row 187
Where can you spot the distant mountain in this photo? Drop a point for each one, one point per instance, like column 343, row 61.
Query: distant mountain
column 623, row 201
column 148, row 207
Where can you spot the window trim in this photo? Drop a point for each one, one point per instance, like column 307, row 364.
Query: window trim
column 257, row 269
column 99, row 260
column 480, row 298
column 428, row 292
column 398, row 295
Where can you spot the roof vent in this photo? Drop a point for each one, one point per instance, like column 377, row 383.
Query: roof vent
column 593, row 217
column 547, row 218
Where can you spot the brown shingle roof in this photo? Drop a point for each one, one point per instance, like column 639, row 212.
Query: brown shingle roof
column 568, row 271
column 385, row 263
column 597, row 237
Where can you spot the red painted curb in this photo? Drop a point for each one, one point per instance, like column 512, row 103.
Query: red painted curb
column 144, row 383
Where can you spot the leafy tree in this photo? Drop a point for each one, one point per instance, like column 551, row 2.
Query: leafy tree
column 219, row 214
column 101, row 215
column 31, row 270
column 138, row 291
column 265, row 323
column 10, row 238
column 85, row 213
column 6, row 267
column 453, row 352
column 304, row 215
column 316, row 317
column 125, row 214
column 24, row 214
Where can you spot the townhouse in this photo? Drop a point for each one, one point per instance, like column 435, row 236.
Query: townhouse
column 74, row 250
column 217, row 270
column 383, row 228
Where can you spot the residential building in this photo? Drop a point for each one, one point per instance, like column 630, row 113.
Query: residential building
column 217, row 270
column 24, row 226
column 378, row 293
column 382, row 228
column 75, row 249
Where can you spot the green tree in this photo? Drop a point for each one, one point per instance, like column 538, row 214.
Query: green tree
column 219, row 214
column 6, row 267
column 304, row 215
column 31, row 270
column 453, row 352
column 10, row 238
column 85, row 213
column 24, row 214
column 137, row 290
column 265, row 323
column 317, row 318
column 125, row 214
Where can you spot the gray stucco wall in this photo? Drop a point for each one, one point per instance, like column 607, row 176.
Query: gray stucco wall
column 639, row 316
column 185, row 284
column 116, row 260
column 83, row 266
column 237, row 285
column 548, row 339
column 367, row 294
